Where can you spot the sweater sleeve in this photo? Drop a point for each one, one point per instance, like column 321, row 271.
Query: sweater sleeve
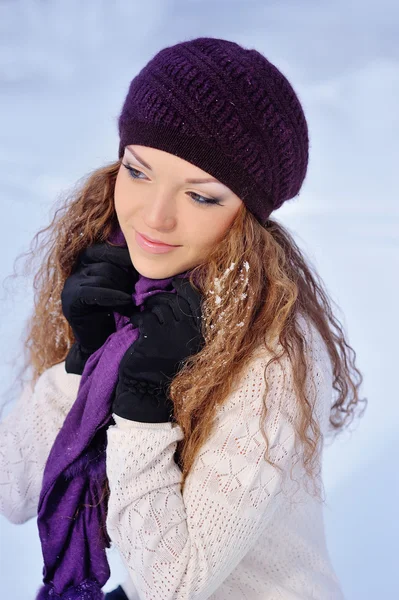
column 183, row 546
column 27, row 434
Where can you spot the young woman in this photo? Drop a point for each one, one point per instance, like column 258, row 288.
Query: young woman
column 187, row 365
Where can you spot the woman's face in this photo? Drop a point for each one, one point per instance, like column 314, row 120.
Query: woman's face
column 155, row 197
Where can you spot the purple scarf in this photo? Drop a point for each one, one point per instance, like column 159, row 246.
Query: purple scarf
column 73, row 536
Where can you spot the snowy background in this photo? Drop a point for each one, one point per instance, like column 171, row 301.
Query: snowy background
column 65, row 67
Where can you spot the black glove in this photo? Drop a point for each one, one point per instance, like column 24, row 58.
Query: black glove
column 102, row 281
column 170, row 332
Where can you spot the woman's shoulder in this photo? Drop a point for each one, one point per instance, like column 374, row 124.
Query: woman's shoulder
column 280, row 375
column 56, row 377
column 315, row 348
column 55, row 389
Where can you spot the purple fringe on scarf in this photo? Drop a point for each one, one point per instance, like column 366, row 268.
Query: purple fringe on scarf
column 87, row 590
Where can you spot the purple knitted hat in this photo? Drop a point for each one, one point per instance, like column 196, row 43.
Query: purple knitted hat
column 227, row 110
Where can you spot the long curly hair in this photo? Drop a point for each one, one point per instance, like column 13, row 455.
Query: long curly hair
column 261, row 266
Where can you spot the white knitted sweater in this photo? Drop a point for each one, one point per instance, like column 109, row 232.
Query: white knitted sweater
column 241, row 530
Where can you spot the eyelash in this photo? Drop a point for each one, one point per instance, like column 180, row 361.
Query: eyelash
column 208, row 201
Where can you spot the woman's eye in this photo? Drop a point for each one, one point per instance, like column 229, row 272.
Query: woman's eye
column 204, row 200
column 132, row 171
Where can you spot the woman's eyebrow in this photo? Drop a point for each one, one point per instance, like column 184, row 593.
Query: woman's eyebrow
column 147, row 166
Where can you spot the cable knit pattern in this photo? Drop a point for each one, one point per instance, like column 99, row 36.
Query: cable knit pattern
column 240, row 530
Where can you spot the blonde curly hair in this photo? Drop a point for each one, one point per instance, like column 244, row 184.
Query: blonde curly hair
column 255, row 282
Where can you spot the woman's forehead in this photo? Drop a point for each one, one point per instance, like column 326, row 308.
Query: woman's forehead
column 144, row 154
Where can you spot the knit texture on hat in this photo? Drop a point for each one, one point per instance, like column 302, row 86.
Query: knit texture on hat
column 226, row 109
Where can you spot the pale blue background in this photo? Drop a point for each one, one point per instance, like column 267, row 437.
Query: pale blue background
column 65, row 67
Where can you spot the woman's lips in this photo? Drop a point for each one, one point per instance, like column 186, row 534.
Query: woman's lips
column 153, row 247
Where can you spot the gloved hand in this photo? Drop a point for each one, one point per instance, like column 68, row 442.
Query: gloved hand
column 102, row 281
column 170, row 332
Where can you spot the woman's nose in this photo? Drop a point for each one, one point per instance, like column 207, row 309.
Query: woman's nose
column 160, row 212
